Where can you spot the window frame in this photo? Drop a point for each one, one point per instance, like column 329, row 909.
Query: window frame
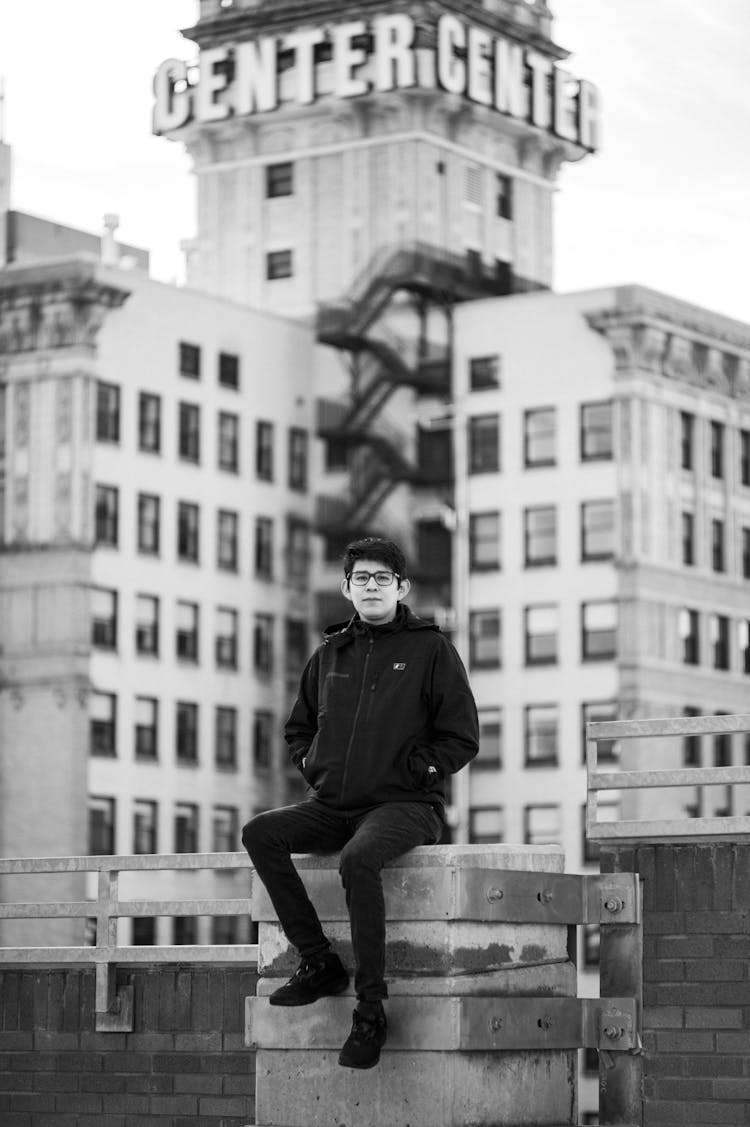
column 483, row 443
column 587, row 432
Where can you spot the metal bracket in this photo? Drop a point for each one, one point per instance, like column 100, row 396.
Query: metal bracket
column 521, row 897
column 549, row 1023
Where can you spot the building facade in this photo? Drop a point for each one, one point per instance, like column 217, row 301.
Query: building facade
column 155, row 578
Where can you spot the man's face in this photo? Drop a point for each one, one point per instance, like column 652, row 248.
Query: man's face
column 374, row 603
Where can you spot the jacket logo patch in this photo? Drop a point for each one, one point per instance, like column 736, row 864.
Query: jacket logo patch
column 399, row 665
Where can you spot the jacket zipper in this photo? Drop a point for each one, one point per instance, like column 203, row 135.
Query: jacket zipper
column 345, row 774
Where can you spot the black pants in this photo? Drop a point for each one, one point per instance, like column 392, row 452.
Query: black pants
column 366, row 841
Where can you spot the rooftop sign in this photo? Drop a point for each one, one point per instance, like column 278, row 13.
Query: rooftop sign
column 351, row 59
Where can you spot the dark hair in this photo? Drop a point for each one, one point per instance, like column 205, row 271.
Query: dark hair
column 375, row 548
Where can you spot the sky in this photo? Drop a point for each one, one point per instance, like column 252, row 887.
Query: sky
column 665, row 203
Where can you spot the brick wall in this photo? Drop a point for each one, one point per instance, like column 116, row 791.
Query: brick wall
column 184, row 1064
column 696, row 980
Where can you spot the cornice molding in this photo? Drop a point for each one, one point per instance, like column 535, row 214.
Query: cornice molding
column 55, row 305
column 653, row 332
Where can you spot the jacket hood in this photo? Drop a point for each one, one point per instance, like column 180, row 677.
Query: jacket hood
column 341, row 633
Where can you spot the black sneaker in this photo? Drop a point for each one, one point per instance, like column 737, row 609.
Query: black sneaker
column 313, row 979
column 362, row 1046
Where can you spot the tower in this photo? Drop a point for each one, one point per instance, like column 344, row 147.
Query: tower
column 318, row 141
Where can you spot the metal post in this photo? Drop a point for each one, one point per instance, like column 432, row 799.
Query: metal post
column 621, row 974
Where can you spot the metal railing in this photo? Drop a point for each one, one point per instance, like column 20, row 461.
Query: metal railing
column 665, row 827
column 108, row 908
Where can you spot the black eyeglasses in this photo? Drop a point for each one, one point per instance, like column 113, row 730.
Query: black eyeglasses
column 382, row 578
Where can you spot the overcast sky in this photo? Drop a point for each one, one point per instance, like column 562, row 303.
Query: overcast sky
column 665, row 203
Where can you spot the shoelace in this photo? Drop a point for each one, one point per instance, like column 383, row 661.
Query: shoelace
column 365, row 1028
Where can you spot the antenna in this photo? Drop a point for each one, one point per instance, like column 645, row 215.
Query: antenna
column 2, row 109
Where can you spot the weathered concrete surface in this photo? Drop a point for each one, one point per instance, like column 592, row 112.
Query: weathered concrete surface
column 299, row 1088
column 435, row 948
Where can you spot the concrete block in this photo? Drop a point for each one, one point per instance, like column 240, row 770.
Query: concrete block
column 299, row 1088
column 418, row 885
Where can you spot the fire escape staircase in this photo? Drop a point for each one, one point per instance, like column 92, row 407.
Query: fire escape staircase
column 435, row 276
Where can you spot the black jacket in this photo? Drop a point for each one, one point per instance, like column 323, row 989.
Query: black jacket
column 383, row 714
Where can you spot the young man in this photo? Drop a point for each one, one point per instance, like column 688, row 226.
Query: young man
column 383, row 715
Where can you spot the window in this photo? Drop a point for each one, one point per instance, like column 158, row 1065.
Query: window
column 186, row 631
column 484, row 639
column 229, row 370
column 719, row 635
column 143, row 931
column 104, row 618
column 297, row 552
column 264, row 547
column 541, row 825
column 600, row 712
column 722, row 742
column 717, row 449
column 146, row 728
column 226, row 638
column 225, row 829
column 490, row 752
column 689, row 634
column 189, row 432
column 264, row 450
column 687, row 431
column 187, row 732
column 598, row 630
column 263, row 643
column 102, row 717
column 541, row 630
column 296, row 645
column 473, row 185
column 484, row 444
column 186, row 828
column 743, row 644
column 149, row 422
column 225, row 746
column 486, row 825
column 746, row 553
column 262, row 739
column 298, row 459
column 540, row 437
column 688, row 538
column 717, row 544
column 101, row 826
column 279, row 179
column 185, row 928
column 107, row 412
column 227, row 540
column 228, row 442
column 597, row 530
column 540, row 735
column 188, row 528
column 596, row 431
column 503, row 196
column 225, row 929
column 691, row 744
column 540, row 536
column 484, row 541
column 147, row 624
column 148, row 524
column 744, row 457
column 484, row 372
column 144, row 826
column 278, row 265
column 107, row 515
column 190, row 360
